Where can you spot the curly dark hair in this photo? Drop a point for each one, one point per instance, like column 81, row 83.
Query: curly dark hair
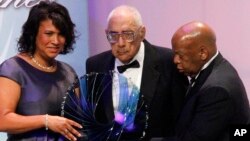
column 60, row 19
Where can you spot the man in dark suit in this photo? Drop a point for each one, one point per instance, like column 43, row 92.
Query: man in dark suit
column 216, row 98
column 162, row 87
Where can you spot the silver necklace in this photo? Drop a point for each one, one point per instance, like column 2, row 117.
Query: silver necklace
column 40, row 65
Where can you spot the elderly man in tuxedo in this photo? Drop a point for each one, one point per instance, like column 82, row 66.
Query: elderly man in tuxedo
column 216, row 99
column 162, row 88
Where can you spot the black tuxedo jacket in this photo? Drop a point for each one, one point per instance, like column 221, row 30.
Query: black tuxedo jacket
column 217, row 100
column 162, row 87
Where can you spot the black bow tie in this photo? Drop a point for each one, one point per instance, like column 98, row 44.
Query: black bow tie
column 134, row 64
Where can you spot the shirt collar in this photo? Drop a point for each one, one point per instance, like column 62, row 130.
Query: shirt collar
column 207, row 64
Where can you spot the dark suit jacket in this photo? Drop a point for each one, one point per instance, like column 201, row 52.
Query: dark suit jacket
column 217, row 100
column 162, row 87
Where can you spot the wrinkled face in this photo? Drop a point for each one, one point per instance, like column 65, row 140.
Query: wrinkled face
column 49, row 41
column 124, row 37
column 187, row 57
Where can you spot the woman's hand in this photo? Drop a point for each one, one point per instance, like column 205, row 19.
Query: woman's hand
column 64, row 126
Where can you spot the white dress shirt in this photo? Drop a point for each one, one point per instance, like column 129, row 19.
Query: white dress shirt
column 132, row 74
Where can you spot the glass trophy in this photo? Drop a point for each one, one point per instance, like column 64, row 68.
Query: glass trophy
column 89, row 102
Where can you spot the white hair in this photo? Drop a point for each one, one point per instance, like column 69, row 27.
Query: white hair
column 129, row 10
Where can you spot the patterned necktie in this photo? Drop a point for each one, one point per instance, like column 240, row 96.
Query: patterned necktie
column 192, row 80
column 123, row 68
column 191, row 83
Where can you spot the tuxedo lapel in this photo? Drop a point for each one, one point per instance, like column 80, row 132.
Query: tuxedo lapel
column 106, row 107
column 101, row 89
column 150, row 74
column 109, row 62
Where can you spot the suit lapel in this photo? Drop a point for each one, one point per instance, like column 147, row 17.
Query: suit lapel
column 204, row 74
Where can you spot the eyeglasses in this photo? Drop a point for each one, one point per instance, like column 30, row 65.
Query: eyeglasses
column 128, row 36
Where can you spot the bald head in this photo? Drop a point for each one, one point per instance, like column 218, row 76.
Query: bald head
column 196, row 32
column 194, row 44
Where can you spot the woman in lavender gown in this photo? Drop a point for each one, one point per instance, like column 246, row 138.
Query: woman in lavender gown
column 33, row 83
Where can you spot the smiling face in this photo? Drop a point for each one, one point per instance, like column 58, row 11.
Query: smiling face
column 49, row 41
column 123, row 25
